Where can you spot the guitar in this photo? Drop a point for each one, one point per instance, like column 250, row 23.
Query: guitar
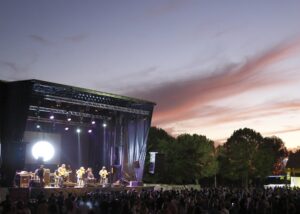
column 104, row 174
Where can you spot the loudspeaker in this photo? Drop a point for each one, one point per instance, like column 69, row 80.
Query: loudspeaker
column 47, row 177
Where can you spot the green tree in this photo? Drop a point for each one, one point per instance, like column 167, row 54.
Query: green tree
column 158, row 141
column 191, row 158
column 187, row 158
column 238, row 157
column 278, row 150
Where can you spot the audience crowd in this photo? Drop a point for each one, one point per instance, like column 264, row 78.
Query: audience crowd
column 206, row 200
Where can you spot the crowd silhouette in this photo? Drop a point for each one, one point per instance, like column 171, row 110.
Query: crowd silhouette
column 206, row 200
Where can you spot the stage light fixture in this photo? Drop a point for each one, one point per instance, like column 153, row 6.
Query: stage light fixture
column 78, row 130
column 104, row 124
column 90, row 131
column 38, row 126
column 51, row 117
column 93, row 122
column 43, row 150
column 69, row 119
column 66, row 128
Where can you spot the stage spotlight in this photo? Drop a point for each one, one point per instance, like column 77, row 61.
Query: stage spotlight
column 78, row 130
column 104, row 124
column 93, row 122
column 69, row 119
column 42, row 149
column 38, row 126
column 66, row 128
column 90, row 131
column 51, row 117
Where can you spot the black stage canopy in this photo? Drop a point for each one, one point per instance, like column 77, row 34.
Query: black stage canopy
column 89, row 128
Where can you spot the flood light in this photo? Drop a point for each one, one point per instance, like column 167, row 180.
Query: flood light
column 43, row 150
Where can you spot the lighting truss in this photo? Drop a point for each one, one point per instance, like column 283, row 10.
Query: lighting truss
column 64, row 112
column 63, row 122
column 96, row 105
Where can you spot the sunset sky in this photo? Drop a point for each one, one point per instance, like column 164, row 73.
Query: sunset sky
column 211, row 66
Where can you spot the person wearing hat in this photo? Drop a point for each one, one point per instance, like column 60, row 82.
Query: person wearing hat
column 103, row 176
column 80, row 172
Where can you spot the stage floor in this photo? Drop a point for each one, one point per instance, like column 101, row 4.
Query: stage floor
column 25, row 194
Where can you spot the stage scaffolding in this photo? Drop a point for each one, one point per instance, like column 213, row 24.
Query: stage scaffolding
column 120, row 145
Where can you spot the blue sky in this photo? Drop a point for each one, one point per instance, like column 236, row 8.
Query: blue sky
column 211, row 66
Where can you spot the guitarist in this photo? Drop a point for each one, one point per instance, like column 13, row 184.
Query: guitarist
column 80, row 173
column 62, row 174
column 103, row 176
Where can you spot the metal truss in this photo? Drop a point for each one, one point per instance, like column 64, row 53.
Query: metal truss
column 65, row 112
column 96, row 105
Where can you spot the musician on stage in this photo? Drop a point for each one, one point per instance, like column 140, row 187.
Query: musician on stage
column 40, row 173
column 103, row 176
column 90, row 175
column 80, row 173
column 62, row 174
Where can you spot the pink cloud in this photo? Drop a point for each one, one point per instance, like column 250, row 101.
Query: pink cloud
column 181, row 100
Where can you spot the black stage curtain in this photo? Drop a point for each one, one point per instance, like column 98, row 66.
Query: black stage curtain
column 15, row 107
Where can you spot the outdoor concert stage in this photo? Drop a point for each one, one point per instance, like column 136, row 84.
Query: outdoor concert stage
column 53, row 124
column 32, row 193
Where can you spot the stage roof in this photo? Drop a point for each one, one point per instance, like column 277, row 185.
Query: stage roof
column 83, row 103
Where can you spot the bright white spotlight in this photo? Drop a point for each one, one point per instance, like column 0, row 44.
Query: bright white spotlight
column 69, row 119
column 52, row 117
column 104, row 124
column 43, row 149
column 78, row 130
column 90, row 131
column 66, row 128
column 38, row 126
column 93, row 122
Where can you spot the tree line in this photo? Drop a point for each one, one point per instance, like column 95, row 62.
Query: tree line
column 246, row 158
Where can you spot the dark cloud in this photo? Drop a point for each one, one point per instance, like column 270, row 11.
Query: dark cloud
column 179, row 100
column 283, row 131
column 76, row 38
column 39, row 39
column 12, row 66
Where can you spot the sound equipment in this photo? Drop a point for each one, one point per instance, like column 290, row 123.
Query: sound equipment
column 47, row 177
column 69, row 184
column 35, row 183
column 24, row 181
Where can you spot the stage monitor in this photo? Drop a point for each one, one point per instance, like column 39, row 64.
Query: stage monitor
column 42, row 146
